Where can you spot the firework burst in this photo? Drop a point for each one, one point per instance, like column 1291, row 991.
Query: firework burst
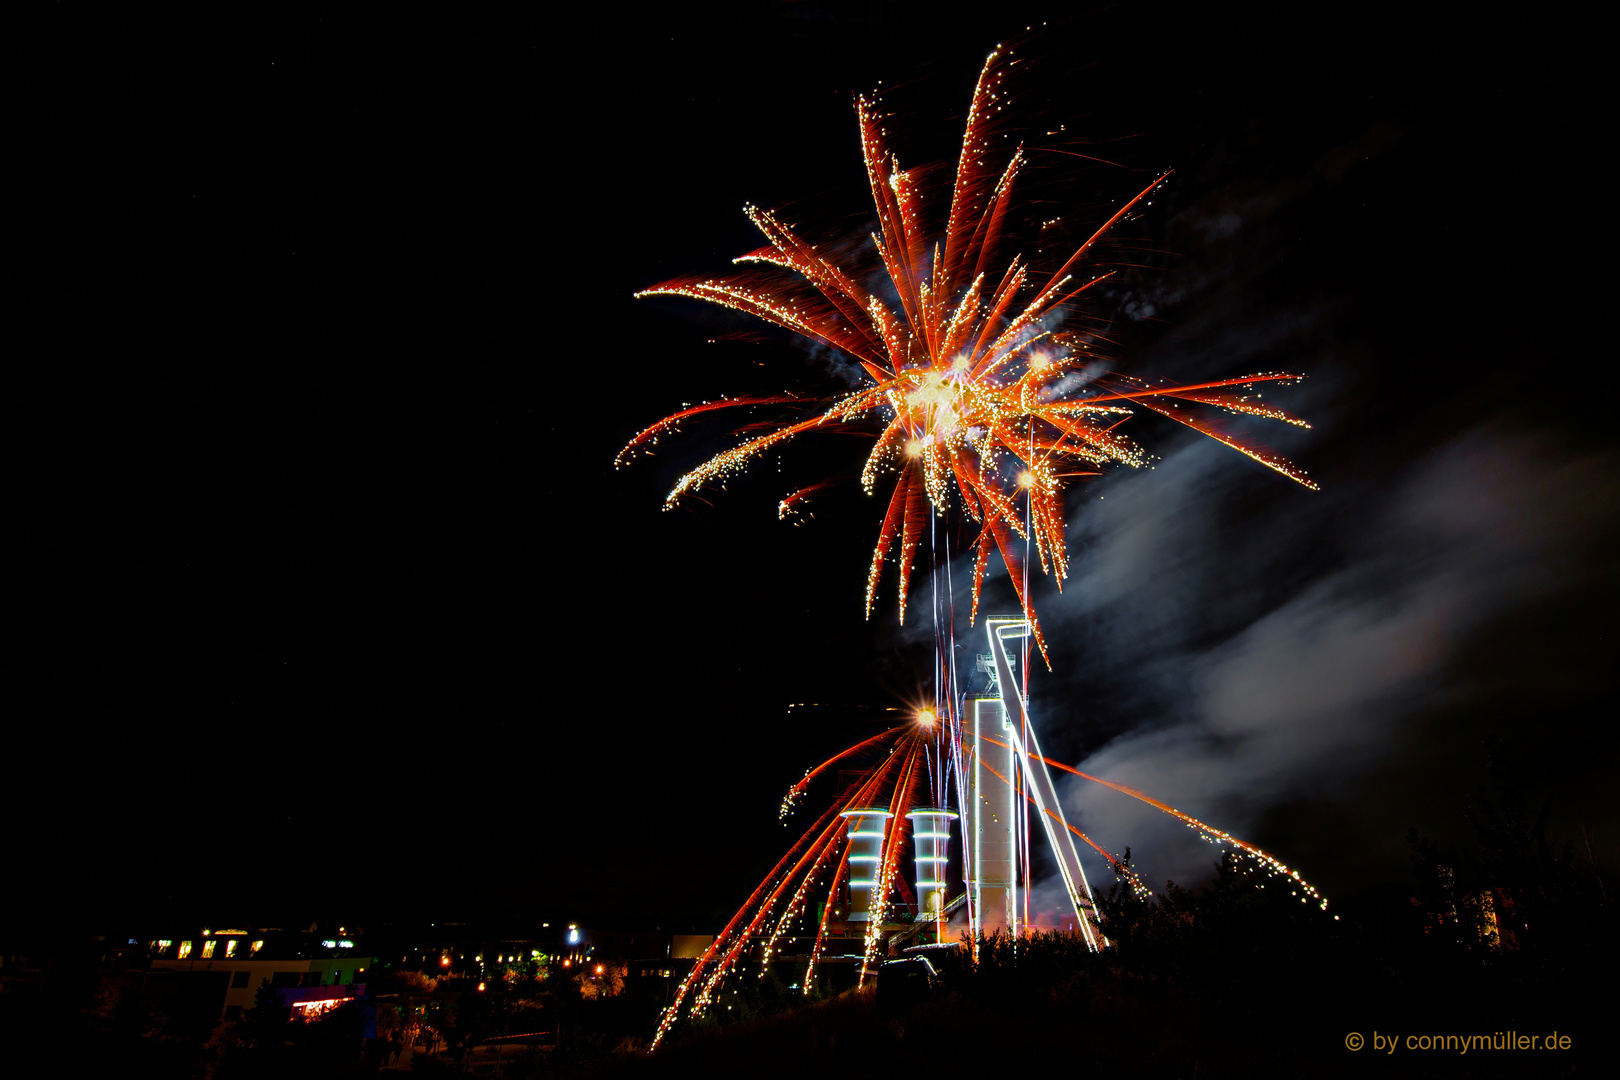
column 982, row 391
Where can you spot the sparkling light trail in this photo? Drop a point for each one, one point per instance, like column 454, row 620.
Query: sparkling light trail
column 1267, row 861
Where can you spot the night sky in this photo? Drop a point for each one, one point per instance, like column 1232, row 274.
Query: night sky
column 325, row 598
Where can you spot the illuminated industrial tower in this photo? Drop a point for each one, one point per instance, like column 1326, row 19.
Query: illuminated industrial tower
column 1002, row 783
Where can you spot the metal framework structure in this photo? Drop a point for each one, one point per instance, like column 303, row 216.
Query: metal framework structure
column 1000, row 774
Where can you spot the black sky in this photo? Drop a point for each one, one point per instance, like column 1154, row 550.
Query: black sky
column 326, row 597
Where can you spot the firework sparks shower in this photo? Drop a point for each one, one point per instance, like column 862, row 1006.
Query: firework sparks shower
column 985, row 387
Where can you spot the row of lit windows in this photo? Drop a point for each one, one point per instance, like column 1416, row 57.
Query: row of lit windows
column 210, row 948
column 534, row 954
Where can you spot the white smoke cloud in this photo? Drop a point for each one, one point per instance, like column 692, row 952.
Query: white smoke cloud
column 1313, row 691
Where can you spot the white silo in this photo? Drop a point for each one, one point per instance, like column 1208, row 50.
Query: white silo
column 867, row 825
column 931, row 845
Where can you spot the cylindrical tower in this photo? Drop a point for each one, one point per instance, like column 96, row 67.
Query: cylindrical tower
column 867, row 825
column 931, row 843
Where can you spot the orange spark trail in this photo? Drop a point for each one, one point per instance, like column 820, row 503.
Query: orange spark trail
column 798, row 789
column 672, row 422
column 1134, row 881
column 1098, row 848
column 794, row 503
column 821, row 929
column 1260, row 854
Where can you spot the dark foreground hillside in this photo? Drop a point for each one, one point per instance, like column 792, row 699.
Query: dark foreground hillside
column 1239, row 979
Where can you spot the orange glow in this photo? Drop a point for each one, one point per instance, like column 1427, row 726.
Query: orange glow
column 309, row 1009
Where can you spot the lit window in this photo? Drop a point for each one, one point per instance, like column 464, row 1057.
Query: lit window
column 185, row 949
column 208, row 949
column 257, row 945
column 230, row 947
